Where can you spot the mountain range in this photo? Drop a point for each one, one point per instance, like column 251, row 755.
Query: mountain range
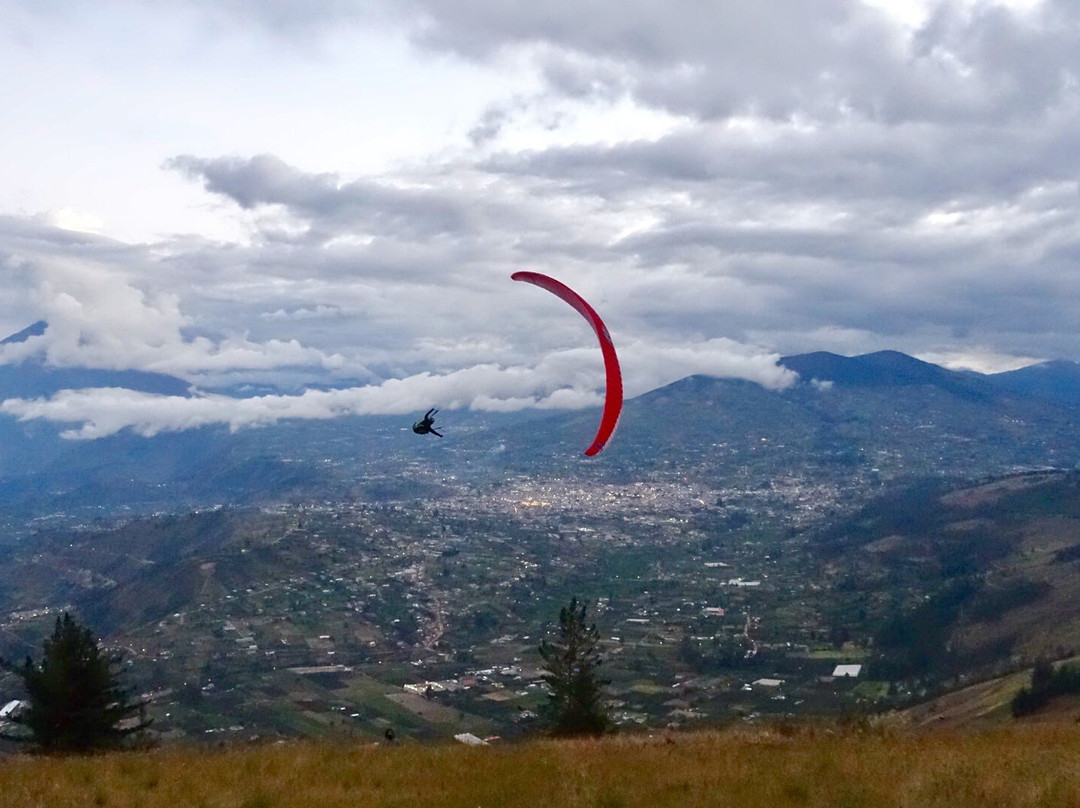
column 874, row 417
column 1057, row 380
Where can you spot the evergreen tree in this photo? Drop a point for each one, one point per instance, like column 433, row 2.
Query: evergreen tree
column 572, row 663
column 1042, row 675
column 1046, row 683
column 76, row 701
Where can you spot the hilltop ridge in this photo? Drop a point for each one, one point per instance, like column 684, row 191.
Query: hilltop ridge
column 779, row 766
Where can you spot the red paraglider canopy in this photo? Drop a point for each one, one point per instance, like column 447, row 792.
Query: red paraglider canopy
column 614, row 396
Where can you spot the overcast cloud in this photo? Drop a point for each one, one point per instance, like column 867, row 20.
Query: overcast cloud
column 335, row 194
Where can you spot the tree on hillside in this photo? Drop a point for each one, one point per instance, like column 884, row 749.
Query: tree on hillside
column 1047, row 682
column 76, row 701
column 572, row 663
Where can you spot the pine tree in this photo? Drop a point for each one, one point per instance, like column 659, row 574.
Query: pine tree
column 572, row 662
column 76, row 701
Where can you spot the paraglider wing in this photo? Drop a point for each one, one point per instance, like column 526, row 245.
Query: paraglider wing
column 614, row 395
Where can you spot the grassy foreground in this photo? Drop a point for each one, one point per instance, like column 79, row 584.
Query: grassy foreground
column 1036, row 765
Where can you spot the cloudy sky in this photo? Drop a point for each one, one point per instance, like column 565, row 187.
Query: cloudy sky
column 334, row 194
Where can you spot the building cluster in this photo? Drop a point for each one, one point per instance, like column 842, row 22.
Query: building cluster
column 446, row 598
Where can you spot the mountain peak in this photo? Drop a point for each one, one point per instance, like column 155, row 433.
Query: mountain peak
column 35, row 330
column 878, row 369
column 1058, row 379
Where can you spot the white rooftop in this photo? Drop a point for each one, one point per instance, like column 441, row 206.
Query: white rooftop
column 847, row 670
column 469, row 739
column 9, row 708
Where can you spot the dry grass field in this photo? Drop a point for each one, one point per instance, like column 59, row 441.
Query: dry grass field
column 1023, row 765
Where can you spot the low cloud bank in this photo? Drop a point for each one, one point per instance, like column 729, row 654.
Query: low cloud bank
column 564, row 380
column 105, row 411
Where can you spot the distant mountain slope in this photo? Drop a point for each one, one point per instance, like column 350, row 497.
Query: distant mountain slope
column 880, row 369
column 1057, row 380
column 877, row 417
column 32, row 378
column 885, row 413
column 33, row 330
column 885, row 369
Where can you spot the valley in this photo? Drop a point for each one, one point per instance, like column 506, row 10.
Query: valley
column 849, row 546
column 325, row 616
column 425, row 616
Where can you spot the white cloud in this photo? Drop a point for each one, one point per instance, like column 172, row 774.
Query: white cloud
column 77, row 220
column 649, row 364
column 102, row 412
column 980, row 361
column 360, row 183
column 98, row 319
column 303, row 313
column 564, row 380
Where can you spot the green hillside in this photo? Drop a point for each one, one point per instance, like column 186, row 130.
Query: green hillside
column 964, row 583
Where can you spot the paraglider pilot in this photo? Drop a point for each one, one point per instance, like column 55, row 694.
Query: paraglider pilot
column 427, row 425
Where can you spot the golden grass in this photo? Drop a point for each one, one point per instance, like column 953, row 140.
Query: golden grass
column 1036, row 765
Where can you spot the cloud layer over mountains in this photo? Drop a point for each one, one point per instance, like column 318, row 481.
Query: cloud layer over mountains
column 726, row 183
